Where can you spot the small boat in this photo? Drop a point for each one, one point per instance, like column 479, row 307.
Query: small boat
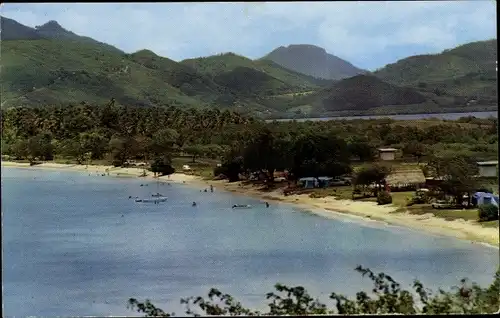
column 157, row 195
column 242, row 206
column 155, row 200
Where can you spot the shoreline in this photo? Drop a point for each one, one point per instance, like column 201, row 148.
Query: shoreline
column 328, row 207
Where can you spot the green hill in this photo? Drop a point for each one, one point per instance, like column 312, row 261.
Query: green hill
column 229, row 62
column 37, row 72
column 466, row 70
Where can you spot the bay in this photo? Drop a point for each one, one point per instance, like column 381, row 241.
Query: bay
column 76, row 245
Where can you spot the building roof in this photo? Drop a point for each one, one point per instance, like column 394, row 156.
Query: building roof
column 403, row 177
column 488, row 163
column 387, row 149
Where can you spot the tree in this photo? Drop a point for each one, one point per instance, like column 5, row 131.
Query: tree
column 373, row 174
column 72, row 148
column 317, row 154
column 40, row 146
column 458, row 174
column 20, row 149
column 94, row 143
column 387, row 297
column 488, row 212
column 162, row 166
column 163, row 141
column 414, row 149
column 195, row 151
column 265, row 154
column 361, row 149
column 122, row 148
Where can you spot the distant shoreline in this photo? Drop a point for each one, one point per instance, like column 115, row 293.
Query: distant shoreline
column 326, row 207
column 348, row 115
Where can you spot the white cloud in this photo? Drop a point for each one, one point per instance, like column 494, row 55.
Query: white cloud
column 349, row 29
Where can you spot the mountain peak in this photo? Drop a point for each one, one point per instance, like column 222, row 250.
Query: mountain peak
column 51, row 25
column 314, row 61
column 309, row 47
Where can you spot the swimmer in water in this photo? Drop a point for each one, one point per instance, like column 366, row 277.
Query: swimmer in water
column 194, row 203
column 211, row 188
column 267, row 205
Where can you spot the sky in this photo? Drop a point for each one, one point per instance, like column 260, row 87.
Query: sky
column 367, row 34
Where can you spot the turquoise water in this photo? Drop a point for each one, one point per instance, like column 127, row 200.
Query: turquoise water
column 75, row 245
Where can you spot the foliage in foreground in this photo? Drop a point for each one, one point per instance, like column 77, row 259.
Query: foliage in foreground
column 387, row 297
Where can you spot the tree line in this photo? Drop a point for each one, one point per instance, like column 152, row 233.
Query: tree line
column 243, row 144
column 387, row 297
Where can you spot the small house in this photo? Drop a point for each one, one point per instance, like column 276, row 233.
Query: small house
column 406, row 179
column 433, row 182
column 481, row 198
column 387, row 154
column 488, row 168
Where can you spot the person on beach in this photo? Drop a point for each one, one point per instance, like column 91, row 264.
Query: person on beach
column 211, row 188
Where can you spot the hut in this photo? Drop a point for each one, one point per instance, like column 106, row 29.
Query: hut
column 488, row 168
column 405, row 179
column 387, row 154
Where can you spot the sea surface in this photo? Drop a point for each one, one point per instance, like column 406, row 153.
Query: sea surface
column 447, row 116
column 76, row 245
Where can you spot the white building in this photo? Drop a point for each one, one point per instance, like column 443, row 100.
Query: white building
column 387, row 153
column 488, row 168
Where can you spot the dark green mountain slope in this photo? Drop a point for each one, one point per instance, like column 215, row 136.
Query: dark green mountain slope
column 364, row 92
column 13, row 30
column 360, row 93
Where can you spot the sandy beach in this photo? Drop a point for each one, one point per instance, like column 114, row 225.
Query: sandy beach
column 328, row 206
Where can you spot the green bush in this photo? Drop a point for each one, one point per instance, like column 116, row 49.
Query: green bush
column 488, row 212
column 220, row 170
column 117, row 163
column 384, row 197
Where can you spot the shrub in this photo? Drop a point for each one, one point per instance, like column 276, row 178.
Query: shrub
column 384, row 197
column 116, row 163
column 488, row 212
column 220, row 170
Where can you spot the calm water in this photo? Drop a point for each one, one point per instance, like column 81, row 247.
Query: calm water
column 76, row 245
column 447, row 116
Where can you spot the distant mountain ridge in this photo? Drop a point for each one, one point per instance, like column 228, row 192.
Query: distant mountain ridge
column 13, row 30
column 50, row 65
column 313, row 61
